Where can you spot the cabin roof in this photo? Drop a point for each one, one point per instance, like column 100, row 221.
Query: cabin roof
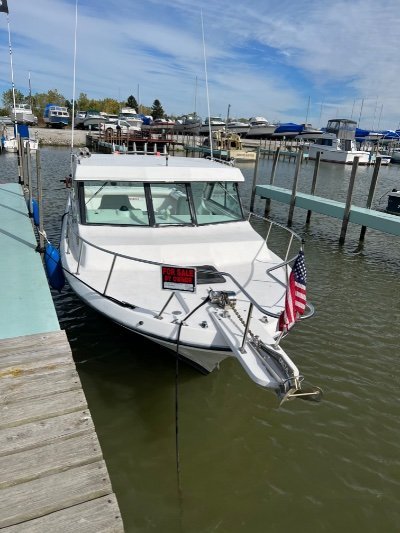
column 147, row 168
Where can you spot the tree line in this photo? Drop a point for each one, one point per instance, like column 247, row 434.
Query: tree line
column 110, row 106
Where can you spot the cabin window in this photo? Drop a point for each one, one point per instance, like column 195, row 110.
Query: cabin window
column 159, row 204
column 216, row 202
column 115, row 203
column 170, row 203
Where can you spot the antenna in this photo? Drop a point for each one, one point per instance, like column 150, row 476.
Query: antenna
column 74, row 80
column 12, row 70
column 208, row 96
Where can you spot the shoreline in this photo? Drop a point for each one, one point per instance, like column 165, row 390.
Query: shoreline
column 55, row 137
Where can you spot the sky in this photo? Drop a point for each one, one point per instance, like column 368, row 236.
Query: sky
column 287, row 60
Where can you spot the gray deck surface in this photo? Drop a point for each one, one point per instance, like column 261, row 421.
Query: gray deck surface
column 52, row 473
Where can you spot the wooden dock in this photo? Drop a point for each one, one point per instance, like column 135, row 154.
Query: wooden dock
column 53, row 477
column 362, row 216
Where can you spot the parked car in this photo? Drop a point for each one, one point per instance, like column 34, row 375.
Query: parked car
column 119, row 125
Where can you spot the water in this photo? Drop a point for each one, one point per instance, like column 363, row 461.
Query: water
column 245, row 464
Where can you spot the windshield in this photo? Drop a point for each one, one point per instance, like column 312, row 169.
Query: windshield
column 159, row 204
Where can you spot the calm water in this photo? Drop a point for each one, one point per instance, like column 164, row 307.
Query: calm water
column 245, row 464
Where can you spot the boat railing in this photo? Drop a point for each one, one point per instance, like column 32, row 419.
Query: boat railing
column 115, row 255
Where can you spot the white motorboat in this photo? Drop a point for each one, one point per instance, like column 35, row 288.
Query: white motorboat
column 260, row 128
column 10, row 143
column 161, row 246
column 23, row 114
column 337, row 144
column 213, row 123
column 188, row 124
column 237, row 126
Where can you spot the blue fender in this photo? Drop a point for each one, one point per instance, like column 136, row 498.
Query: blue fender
column 35, row 212
column 54, row 271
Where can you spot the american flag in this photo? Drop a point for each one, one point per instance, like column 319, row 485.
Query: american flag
column 295, row 301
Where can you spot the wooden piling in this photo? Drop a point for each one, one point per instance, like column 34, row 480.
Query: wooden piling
column 347, row 208
column 314, row 182
column 370, row 198
column 253, row 189
column 40, row 201
column 299, row 158
column 272, row 179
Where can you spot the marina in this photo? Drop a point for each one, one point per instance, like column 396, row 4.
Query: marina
column 53, row 475
column 335, row 461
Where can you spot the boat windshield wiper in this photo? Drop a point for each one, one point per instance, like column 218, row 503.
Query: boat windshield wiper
column 97, row 192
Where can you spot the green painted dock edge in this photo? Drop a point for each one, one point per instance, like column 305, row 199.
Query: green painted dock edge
column 26, row 304
column 358, row 215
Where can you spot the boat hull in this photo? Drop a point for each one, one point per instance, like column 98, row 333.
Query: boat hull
column 204, row 358
column 339, row 156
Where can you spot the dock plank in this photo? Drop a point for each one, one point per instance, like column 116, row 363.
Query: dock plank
column 20, row 385
column 23, row 412
column 97, row 516
column 27, row 436
column 27, row 345
column 42, row 496
column 49, row 459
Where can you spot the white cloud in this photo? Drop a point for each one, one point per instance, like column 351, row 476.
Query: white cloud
column 263, row 58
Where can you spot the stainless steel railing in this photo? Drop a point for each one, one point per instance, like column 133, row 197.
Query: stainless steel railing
column 116, row 255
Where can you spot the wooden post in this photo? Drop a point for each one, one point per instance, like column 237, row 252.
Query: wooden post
column 299, row 158
column 271, row 180
column 20, row 146
column 253, row 189
column 314, row 183
column 40, row 201
column 29, row 178
column 371, row 193
column 346, row 213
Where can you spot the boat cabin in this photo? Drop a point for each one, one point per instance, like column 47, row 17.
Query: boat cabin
column 343, row 128
column 134, row 190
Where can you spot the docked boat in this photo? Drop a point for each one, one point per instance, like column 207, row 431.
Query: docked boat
column 239, row 127
column 10, row 144
column 55, row 116
column 188, row 124
column 338, row 145
column 88, row 120
column 213, row 123
column 260, row 128
column 290, row 130
column 161, row 246
column 228, row 145
column 23, row 114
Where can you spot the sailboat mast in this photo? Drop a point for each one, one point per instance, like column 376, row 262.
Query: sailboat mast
column 12, row 68
column 74, row 80
column 195, row 98
column 208, row 96
column 30, row 90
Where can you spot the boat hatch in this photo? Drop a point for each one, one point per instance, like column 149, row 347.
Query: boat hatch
column 207, row 274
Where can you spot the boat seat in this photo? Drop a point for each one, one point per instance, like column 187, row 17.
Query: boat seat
column 115, row 201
